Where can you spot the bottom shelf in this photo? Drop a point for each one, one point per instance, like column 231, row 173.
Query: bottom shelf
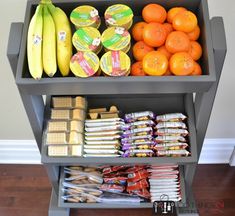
column 117, row 205
column 190, row 210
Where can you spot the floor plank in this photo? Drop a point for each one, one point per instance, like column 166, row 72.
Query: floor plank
column 25, row 191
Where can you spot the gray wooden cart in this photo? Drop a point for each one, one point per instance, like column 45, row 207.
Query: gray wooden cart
column 191, row 95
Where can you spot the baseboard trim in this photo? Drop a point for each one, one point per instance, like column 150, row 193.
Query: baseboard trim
column 217, row 151
column 214, row 151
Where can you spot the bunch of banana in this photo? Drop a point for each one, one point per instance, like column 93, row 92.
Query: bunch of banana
column 49, row 41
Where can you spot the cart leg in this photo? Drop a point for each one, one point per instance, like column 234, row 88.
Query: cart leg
column 190, row 208
column 54, row 210
column 53, row 174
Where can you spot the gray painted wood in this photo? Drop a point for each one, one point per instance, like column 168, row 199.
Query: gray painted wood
column 13, row 47
column 54, row 210
column 122, row 85
column 204, row 101
column 130, row 93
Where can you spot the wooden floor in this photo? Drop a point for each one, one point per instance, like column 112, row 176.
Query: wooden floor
column 25, row 191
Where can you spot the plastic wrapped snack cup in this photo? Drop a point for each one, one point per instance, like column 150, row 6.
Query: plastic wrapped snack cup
column 115, row 63
column 119, row 15
column 85, row 16
column 84, row 64
column 116, row 39
column 87, row 39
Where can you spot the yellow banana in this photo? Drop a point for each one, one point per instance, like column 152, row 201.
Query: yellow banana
column 63, row 38
column 49, row 44
column 34, row 44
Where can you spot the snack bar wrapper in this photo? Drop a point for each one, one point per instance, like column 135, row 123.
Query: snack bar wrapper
column 171, row 117
column 139, row 116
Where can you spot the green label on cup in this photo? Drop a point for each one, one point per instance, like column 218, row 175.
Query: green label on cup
column 77, row 15
column 112, row 40
column 84, row 36
column 122, row 14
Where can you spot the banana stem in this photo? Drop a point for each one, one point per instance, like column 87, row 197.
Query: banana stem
column 46, row 2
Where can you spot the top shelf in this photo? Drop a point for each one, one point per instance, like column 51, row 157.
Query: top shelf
column 121, row 85
column 118, row 85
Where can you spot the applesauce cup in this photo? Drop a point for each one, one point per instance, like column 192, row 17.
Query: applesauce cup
column 116, row 39
column 115, row 63
column 85, row 16
column 84, row 64
column 87, row 39
column 119, row 15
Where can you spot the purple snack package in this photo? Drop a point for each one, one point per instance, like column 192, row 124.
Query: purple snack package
column 146, row 146
column 138, row 130
column 145, row 115
column 138, row 124
column 138, row 153
column 148, row 137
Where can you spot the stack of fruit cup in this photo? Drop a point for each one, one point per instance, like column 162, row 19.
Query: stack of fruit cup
column 116, row 41
column 164, row 183
column 137, row 138
column 87, row 41
column 171, row 133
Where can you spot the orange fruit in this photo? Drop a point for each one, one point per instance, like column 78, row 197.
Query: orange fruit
column 181, row 64
column 194, row 35
column 164, row 51
column 168, row 28
column 168, row 73
column 137, row 31
column 154, row 13
column 195, row 50
column 174, row 11
column 140, row 49
column 185, row 21
column 155, row 63
column 154, row 34
column 177, row 41
column 137, row 69
column 197, row 70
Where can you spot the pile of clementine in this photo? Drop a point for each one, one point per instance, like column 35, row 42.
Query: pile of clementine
column 166, row 42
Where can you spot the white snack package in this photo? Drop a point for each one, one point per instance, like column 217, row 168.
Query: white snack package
column 170, row 116
column 171, row 125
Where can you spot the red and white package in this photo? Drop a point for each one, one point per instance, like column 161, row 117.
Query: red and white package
column 164, row 172
column 132, row 186
column 107, row 170
column 142, row 193
column 165, row 166
column 136, row 176
column 152, row 176
column 112, row 188
column 135, row 168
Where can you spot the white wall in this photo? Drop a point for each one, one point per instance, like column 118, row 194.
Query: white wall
column 13, row 121
column 222, row 118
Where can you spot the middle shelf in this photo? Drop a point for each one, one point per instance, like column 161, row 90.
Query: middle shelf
column 159, row 104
